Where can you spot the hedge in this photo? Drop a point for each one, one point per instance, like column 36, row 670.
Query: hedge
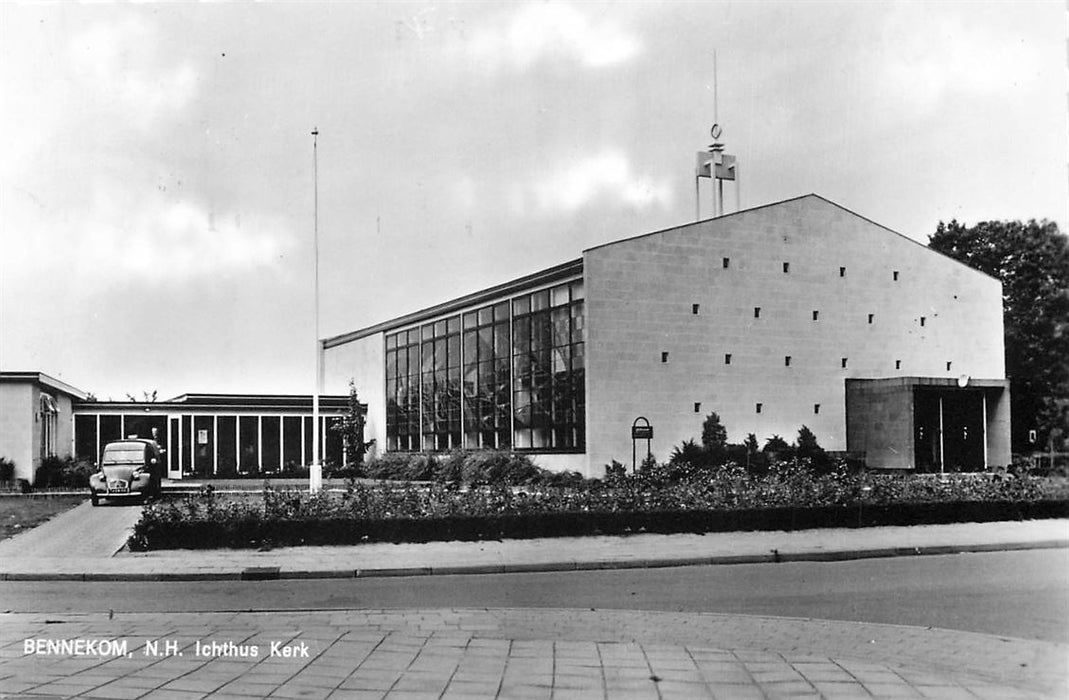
column 259, row 533
column 787, row 498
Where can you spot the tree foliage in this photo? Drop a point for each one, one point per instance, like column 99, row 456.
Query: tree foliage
column 714, row 435
column 351, row 428
column 1032, row 262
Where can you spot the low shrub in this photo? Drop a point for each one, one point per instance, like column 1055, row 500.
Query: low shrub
column 468, row 468
column 58, row 472
column 790, row 496
column 401, row 466
column 7, row 470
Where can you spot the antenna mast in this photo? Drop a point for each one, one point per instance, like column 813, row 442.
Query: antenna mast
column 714, row 164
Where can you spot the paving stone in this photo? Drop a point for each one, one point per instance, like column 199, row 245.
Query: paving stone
column 683, row 691
column 112, row 690
column 356, row 695
column 944, row 692
column 288, row 690
column 172, row 695
column 892, row 690
column 370, row 679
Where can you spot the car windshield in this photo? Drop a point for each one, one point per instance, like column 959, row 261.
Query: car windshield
column 124, row 454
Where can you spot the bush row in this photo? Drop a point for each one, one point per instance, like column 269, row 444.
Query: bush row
column 247, row 529
column 373, row 512
column 469, row 467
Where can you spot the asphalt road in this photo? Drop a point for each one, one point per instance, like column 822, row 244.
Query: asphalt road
column 1019, row 594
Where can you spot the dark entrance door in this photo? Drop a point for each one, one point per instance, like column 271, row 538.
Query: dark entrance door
column 962, row 429
column 926, row 431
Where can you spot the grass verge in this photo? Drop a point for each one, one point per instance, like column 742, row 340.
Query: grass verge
column 21, row 513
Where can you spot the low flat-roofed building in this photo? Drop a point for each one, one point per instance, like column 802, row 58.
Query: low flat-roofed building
column 795, row 313
column 217, row 435
column 35, row 419
column 202, row 435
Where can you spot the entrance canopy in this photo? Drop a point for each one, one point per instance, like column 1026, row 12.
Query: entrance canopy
column 929, row 424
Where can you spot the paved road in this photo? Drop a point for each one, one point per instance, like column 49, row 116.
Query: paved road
column 1018, row 594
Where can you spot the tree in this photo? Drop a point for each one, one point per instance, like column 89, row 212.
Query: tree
column 776, row 449
column 688, row 453
column 352, row 429
column 1032, row 262
column 807, row 447
column 148, row 397
column 714, row 435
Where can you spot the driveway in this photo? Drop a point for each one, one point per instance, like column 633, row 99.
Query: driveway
column 83, row 531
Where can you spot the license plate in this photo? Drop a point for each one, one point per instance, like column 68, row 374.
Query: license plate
column 118, row 487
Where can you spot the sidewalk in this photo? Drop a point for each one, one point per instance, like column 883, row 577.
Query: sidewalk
column 558, row 554
column 443, row 654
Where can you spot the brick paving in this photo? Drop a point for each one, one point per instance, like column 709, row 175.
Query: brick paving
column 508, row 653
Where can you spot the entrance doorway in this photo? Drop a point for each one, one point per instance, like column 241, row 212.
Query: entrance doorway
column 174, row 453
column 949, row 430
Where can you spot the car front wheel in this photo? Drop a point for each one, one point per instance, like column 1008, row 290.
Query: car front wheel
column 94, row 498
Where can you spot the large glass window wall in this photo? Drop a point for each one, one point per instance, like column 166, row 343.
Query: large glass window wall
column 487, row 351
column 440, row 387
column 548, row 378
column 507, row 375
column 402, row 390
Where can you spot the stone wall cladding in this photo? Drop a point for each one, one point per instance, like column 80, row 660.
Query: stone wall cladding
column 641, row 291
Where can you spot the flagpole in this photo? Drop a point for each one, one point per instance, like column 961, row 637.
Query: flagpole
column 315, row 473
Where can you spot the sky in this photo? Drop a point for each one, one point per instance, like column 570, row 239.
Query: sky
column 158, row 181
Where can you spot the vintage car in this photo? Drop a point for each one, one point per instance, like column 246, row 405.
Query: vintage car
column 129, row 468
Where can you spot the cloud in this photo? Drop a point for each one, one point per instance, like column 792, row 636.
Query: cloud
column 606, row 175
column 172, row 241
column 546, row 31
column 947, row 57
column 119, row 67
column 155, row 241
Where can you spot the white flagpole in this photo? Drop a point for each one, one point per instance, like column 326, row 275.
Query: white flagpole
column 315, row 473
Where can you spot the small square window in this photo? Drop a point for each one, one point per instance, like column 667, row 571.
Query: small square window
column 787, row 361
column 759, row 407
column 842, row 272
column 948, row 366
column 872, row 317
column 786, row 267
column 727, row 263
column 816, row 408
column 694, row 308
column 923, row 319
column 843, row 362
column 727, row 359
column 757, row 312
column 894, row 275
column 898, row 364
column 664, row 357
column 697, row 406
column 816, row 315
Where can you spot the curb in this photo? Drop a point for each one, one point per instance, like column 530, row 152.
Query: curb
column 275, row 573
